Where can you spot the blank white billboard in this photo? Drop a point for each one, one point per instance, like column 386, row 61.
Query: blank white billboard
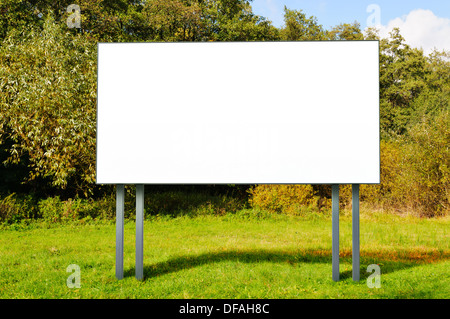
column 238, row 113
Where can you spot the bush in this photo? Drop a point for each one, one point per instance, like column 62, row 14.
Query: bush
column 389, row 192
column 415, row 172
column 287, row 199
column 14, row 209
column 297, row 199
column 54, row 210
column 190, row 203
column 427, row 166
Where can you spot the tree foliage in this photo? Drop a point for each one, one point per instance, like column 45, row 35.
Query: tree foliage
column 346, row 31
column 48, row 89
column 298, row 27
column 47, row 105
column 403, row 76
column 153, row 20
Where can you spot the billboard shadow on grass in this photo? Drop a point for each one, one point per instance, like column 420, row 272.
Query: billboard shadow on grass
column 390, row 261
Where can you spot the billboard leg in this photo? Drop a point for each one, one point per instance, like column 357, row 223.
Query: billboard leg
column 355, row 232
column 139, row 232
column 335, row 231
column 120, row 204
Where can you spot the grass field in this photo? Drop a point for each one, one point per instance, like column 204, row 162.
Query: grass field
column 230, row 256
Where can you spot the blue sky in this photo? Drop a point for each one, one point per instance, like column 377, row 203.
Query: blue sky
column 423, row 23
column 334, row 12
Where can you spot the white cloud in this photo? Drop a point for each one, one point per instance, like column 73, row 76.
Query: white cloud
column 421, row 29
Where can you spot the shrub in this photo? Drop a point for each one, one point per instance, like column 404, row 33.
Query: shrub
column 389, row 192
column 288, row 199
column 297, row 199
column 50, row 209
column 427, row 161
column 190, row 203
column 14, row 209
column 415, row 172
column 54, row 210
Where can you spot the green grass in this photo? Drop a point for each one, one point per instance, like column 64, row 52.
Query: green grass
column 230, row 256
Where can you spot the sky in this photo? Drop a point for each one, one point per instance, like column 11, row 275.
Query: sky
column 423, row 23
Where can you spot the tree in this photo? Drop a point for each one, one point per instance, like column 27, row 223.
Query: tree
column 346, row 31
column 238, row 23
column 16, row 14
column 47, row 105
column 102, row 20
column 297, row 27
column 197, row 20
column 403, row 73
column 435, row 97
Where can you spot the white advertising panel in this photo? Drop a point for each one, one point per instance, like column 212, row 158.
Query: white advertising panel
column 238, row 113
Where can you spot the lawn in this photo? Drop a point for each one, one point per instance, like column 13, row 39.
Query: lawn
column 229, row 256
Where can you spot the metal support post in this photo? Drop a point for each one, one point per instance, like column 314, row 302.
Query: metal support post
column 355, row 232
column 139, row 232
column 335, row 231
column 120, row 206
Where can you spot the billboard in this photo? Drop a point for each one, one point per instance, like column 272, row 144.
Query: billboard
column 238, row 113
